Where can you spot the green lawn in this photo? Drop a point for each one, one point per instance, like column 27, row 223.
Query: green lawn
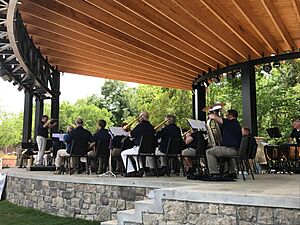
column 11, row 214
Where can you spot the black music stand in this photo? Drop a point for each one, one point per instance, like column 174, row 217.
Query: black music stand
column 274, row 132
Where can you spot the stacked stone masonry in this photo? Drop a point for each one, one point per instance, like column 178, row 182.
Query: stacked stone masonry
column 85, row 201
column 192, row 213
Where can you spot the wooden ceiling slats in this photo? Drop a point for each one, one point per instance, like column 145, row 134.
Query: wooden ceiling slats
column 85, row 58
column 296, row 5
column 158, row 42
column 256, row 24
column 189, row 26
column 83, row 20
column 215, row 26
column 74, row 30
column 235, row 27
column 278, row 23
column 78, row 70
column 163, row 39
column 46, row 39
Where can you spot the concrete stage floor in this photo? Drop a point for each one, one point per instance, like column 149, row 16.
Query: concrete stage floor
column 274, row 190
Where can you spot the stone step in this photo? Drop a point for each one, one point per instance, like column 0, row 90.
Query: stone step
column 111, row 222
column 128, row 216
column 149, row 206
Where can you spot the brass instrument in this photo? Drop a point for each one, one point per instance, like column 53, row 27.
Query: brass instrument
column 213, row 128
column 186, row 133
column 161, row 124
column 132, row 122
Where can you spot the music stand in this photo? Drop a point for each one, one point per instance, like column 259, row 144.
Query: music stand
column 274, row 132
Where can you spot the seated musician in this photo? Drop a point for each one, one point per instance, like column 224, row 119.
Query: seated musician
column 118, row 144
column 253, row 143
column 296, row 131
column 143, row 128
column 28, row 154
column 231, row 139
column 192, row 139
column 63, row 152
column 171, row 130
column 102, row 135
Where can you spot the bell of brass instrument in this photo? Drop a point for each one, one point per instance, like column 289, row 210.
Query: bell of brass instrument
column 161, row 124
column 213, row 128
column 186, row 133
column 129, row 124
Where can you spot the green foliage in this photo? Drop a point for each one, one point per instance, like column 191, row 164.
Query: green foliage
column 159, row 102
column 11, row 126
column 11, row 214
column 90, row 114
column 116, row 99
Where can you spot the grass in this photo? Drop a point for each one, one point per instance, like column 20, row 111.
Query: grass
column 11, row 214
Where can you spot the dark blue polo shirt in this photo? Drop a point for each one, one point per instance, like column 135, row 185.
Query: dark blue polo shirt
column 296, row 134
column 142, row 129
column 169, row 131
column 102, row 135
column 231, row 133
column 42, row 131
column 79, row 134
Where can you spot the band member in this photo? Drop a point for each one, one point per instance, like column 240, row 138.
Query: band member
column 63, row 152
column 171, row 130
column 193, row 139
column 296, row 131
column 41, row 138
column 231, row 139
column 102, row 135
column 143, row 128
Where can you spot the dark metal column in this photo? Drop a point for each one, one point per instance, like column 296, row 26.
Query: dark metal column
column 27, row 117
column 55, row 100
column 39, row 110
column 249, row 98
column 199, row 102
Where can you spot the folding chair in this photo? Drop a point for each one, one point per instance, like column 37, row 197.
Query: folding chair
column 79, row 149
column 174, row 148
column 102, row 156
column 146, row 148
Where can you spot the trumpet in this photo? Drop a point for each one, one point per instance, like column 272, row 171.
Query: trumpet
column 161, row 124
column 186, row 133
column 132, row 122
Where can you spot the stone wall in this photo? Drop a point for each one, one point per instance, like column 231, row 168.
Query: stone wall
column 192, row 213
column 86, row 201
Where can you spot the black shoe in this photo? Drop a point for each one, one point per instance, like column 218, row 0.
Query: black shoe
column 231, row 175
column 151, row 173
column 132, row 174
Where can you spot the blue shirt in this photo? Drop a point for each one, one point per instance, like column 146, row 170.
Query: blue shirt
column 42, row 131
column 231, row 133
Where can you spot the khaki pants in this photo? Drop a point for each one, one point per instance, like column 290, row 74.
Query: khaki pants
column 150, row 160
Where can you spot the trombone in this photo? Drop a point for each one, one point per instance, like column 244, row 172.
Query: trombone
column 132, row 122
column 161, row 124
column 186, row 133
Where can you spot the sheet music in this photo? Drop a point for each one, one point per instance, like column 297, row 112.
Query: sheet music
column 118, row 131
column 59, row 136
column 197, row 124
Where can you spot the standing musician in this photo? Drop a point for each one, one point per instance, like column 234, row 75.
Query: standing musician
column 192, row 139
column 143, row 128
column 231, row 139
column 171, row 130
column 296, row 131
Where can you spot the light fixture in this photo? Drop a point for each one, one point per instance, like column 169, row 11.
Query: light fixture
column 267, row 68
column 276, row 64
column 216, row 79
column 230, row 75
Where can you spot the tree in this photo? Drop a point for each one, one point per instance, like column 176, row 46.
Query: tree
column 116, row 99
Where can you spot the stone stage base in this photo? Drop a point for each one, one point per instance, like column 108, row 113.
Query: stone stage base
column 269, row 199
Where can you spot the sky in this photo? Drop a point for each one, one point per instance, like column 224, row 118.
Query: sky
column 73, row 87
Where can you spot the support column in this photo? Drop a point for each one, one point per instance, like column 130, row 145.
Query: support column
column 39, row 110
column 27, row 117
column 249, row 98
column 199, row 102
column 55, row 100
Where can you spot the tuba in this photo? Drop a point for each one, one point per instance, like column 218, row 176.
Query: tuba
column 213, row 128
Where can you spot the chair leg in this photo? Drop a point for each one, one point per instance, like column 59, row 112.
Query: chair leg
column 126, row 165
column 242, row 169
column 168, row 165
column 182, row 165
column 250, row 169
column 156, row 165
column 138, row 166
column 87, row 164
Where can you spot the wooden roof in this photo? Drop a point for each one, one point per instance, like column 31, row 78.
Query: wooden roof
column 159, row 42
